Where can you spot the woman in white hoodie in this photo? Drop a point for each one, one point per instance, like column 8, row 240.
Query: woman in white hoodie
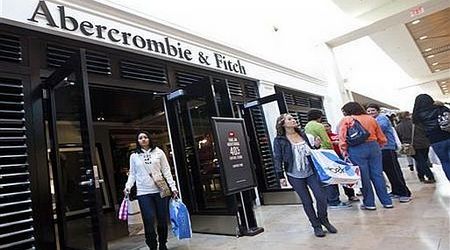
column 145, row 160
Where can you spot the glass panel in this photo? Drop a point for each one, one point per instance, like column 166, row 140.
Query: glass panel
column 73, row 169
column 210, row 184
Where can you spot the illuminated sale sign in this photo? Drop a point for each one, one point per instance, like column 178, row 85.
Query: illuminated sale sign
column 416, row 11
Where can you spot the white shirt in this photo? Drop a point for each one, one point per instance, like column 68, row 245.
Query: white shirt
column 140, row 172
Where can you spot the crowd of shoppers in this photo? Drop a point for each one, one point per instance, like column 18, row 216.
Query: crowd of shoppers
column 375, row 154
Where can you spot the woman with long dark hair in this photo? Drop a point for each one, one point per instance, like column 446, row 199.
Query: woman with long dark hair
column 426, row 113
column 292, row 156
column 366, row 155
column 143, row 162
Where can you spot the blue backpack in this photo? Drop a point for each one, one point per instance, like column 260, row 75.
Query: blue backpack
column 356, row 134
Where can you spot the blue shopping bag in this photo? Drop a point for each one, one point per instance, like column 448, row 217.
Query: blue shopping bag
column 180, row 220
column 332, row 169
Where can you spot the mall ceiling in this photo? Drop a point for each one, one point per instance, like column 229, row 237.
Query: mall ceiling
column 415, row 34
column 432, row 36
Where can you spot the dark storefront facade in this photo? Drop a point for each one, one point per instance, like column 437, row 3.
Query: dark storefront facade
column 86, row 102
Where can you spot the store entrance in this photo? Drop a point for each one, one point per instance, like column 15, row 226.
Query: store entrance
column 93, row 128
column 77, row 179
column 190, row 110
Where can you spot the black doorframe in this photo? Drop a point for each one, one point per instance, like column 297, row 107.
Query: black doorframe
column 76, row 65
column 178, row 114
column 247, row 115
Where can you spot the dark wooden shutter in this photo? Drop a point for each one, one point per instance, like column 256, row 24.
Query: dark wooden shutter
column 235, row 88
column 143, row 72
column 96, row 63
column 10, row 49
column 16, row 222
column 185, row 78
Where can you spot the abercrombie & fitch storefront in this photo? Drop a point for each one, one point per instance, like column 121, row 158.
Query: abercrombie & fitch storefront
column 77, row 83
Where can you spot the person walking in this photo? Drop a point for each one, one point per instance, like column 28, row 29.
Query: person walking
column 391, row 166
column 292, row 156
column 146, row 159
column 419, row 142
column 426, row 113
column 367, row 155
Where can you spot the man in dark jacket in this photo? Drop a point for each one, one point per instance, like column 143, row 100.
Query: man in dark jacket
column 420, row 144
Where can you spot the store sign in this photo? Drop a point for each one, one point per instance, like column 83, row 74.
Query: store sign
column 235, row 161
column 84, row 25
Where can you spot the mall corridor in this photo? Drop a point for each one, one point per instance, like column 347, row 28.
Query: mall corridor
column 422, row 224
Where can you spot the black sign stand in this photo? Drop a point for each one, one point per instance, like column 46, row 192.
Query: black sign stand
column 236, row 165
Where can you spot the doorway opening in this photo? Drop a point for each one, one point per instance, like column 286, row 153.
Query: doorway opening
column 93, row 128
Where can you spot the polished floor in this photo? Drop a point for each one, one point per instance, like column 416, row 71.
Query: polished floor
column 421, row 224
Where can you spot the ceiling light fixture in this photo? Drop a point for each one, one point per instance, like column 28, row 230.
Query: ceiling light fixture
column 423, row 37
column 428, row 49
column 430, row 56
column 416, row 21
column 444, row 82
column 437, row 70
column 435, row 63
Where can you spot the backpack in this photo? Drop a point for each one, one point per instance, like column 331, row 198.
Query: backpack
column 356, row 134
column 444, row 121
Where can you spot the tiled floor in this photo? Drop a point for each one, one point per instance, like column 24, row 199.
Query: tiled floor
column 421, row 224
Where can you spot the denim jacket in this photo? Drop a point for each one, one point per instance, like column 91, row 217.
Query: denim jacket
column 283, row 155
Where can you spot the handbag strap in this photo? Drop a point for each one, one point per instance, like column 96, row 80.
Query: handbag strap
column 412, row 134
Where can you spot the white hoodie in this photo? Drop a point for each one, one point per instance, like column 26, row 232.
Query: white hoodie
column 140, row 172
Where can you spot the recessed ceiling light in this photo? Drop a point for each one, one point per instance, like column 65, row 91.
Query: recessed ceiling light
column 437, row 70
column 416, row 21
column 444, row 82
column 435, row 63
column 430, row 56
column 429, row 49
column 423, row 37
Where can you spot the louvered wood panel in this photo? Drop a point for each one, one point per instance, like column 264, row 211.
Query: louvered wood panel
column 316, row 102
column 184, row 78
column 235, row 88
column 95, row 62
column 143, row 72
column 264, row 148
column 16, row 222
column 10, row 49
column 251, row 91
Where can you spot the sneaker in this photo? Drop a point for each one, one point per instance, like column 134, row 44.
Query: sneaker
column 340, row 205
column 388, row 206
column 353, row 199
column 318, row 231
column 404, row 199
column 326, row 223
column 394, row 196
column 363, row 207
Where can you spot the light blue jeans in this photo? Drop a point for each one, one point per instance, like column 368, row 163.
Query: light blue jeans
column 442, row 150
column 368, row 157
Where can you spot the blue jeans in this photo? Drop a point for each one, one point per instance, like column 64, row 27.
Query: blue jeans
column 442, row 150
column 152, row 205
column 333, row 195
column 300, row 186
column 368, row 157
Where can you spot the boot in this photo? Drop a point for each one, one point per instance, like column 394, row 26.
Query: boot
column 153, row 245
column 162, row 237
column 326, row 223
column 318, row 231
